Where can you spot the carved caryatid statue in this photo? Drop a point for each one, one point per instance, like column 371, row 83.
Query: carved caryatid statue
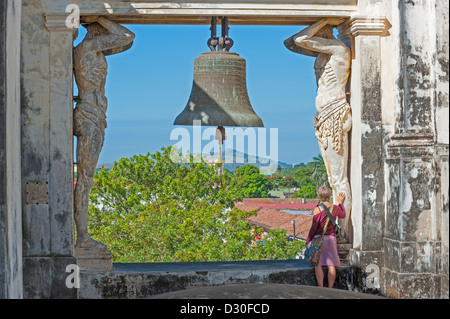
column 103, row 37
column 333, row 119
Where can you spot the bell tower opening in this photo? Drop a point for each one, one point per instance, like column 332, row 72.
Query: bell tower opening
column 148, row 85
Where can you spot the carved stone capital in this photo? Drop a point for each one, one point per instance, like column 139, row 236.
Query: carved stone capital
column 364, row 25
column 56, row 22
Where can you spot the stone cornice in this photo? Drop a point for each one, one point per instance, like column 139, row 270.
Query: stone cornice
column 411, row 145
column 412, row 139
column 365, row 25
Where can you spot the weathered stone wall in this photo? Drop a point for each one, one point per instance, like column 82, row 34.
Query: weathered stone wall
column 416, row 169
column 3, row 232
column 47, row 152
column 399, row 146
column 10, row 183
column 441, row 117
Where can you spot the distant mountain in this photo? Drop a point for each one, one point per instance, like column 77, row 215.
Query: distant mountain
column 238, row 159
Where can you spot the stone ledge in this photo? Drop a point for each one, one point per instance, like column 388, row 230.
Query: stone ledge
column 131, row 281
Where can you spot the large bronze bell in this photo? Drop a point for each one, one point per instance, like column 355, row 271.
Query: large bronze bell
column 219, row 93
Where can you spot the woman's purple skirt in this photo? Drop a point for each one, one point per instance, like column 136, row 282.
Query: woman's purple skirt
column 329, row 255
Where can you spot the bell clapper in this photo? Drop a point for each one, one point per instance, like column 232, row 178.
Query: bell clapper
column 220, row 137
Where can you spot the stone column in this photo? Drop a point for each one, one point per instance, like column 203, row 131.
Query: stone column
column 47, row 150
column 416, row 230
column 10, row 182
column 363, row 34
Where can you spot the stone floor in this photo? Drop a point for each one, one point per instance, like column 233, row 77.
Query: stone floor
column 264, row 291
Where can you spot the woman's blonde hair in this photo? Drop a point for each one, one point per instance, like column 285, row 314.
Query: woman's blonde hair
column 324, row 193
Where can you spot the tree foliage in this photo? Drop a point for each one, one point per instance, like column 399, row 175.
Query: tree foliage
column 307, row 192
column 308, row 177
column 284, row 181
column 148, row 208
column 247, row 182
column 319, row 175
column 303, row 176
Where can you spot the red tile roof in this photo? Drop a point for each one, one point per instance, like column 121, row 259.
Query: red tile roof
column 280, row 201
column 247, row 207
column 302, row 207
column 270, row 216
column 283, row 203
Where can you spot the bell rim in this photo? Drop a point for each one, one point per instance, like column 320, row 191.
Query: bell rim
column 186, row 119
column 215, row 125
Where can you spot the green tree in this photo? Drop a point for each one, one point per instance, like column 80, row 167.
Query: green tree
column 303, row 176
column 148, row 208
column 247, row 182
column 314, row 173
column 319, row 175
column 275, row 246
column 310, row 177
column 288, row 182
column 276, row 179
column 308, row 192
column 317, row 161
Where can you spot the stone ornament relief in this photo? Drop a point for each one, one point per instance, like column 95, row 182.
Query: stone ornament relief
column 103, row 38
column 333, row 119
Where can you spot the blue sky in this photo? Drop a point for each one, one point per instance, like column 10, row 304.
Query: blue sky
column 149, row 85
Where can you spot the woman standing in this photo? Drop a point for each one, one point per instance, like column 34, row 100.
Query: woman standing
column 329, row 256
